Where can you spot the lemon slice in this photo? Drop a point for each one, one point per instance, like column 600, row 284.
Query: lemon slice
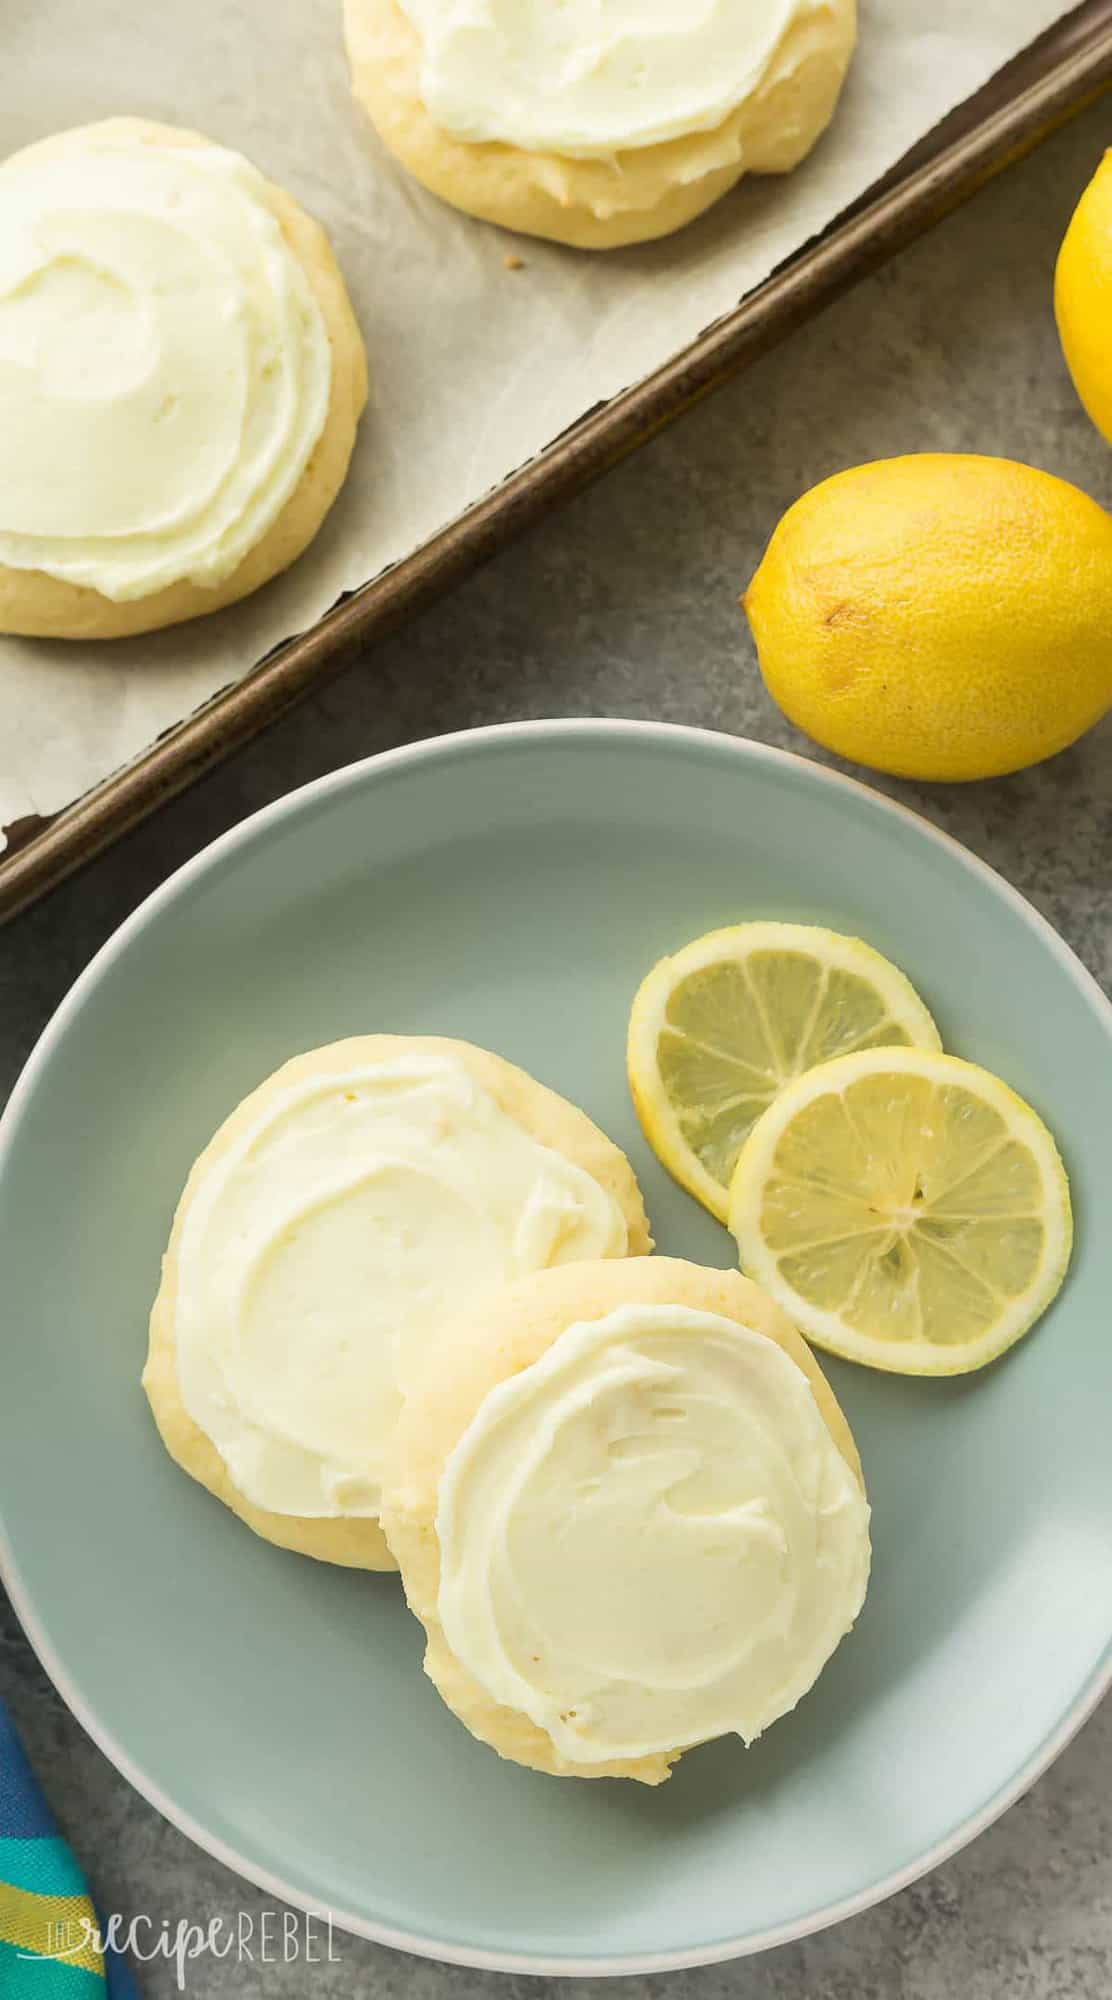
column 906, row 1208
column 718, row 1030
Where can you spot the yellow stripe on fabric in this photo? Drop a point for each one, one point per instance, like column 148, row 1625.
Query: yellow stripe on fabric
column 54, row 1926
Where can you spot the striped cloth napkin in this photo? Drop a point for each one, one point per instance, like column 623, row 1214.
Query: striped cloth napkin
column 46, row 1912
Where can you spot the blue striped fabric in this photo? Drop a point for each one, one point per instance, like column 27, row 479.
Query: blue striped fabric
column 49, row 1927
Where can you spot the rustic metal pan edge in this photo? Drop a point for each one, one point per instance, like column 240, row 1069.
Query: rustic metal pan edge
column 1069, row 67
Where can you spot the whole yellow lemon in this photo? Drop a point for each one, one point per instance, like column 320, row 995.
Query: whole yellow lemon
column 938, row 616
column 1083, row 297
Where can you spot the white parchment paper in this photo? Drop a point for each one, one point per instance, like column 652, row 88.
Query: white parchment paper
column 473, row 367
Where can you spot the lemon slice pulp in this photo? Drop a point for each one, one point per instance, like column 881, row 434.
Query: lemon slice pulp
column 718, row 1030
column 906, row 1208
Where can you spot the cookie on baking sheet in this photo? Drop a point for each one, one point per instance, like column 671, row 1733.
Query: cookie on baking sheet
column 591, row 122
column 630, row 1515
column 181, row 378
column 329, row 1236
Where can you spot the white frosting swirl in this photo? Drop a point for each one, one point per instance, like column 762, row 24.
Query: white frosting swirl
column 164, row 366
column 649, row 1537
column 326, row 1247
column 590, row 78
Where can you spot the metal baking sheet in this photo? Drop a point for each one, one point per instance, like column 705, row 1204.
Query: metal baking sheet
column 1064, row 70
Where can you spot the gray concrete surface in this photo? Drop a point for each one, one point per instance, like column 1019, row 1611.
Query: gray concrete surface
column 625, row 605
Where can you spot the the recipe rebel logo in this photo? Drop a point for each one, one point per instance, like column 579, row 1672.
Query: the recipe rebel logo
column 267, row 1937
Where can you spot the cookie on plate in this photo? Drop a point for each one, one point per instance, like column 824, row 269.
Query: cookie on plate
column 329, row 1237
column 629, row 1514
column 181, row 378
column 595, row 122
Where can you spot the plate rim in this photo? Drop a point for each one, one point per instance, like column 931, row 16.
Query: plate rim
column 430, row 750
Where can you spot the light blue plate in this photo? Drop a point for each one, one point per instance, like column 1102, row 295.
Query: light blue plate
column 511, row 887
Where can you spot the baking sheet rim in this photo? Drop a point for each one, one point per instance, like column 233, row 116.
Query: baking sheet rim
column 1068, row 67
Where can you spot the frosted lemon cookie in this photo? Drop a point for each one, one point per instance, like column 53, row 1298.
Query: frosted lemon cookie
column 181, row 377
column 597, row 122
column 630, row 1515
column 333, row 1230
